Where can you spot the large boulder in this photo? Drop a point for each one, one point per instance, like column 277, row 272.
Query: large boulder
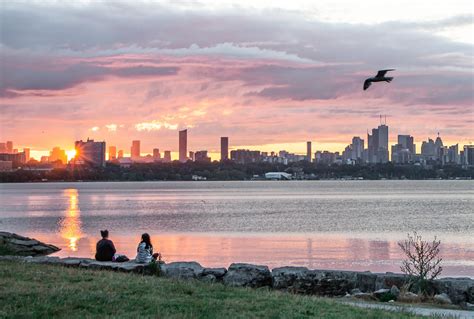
column 294, row 279
column 182, row 270
column 387, row 280
column 13, row 244
column 213, row 274
column 247, row 275
column 459, row 290
column 365, row 281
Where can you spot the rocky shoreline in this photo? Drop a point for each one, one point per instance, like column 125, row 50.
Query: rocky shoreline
column 300, row 280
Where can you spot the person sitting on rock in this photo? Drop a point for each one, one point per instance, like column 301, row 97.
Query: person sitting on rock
column 105, row 249
column 145, row 251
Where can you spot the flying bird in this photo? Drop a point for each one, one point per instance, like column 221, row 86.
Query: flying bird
column 380, row 77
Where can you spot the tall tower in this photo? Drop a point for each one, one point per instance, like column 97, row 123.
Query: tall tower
column 224, row 148
column 183, row 145
column 135, row 150
column 308, row 151
column 112, row 153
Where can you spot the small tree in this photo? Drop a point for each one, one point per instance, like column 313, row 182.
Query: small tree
column 422, row 260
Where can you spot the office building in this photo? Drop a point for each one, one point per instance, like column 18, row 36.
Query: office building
column 468, row 153
column 156, row 154
column 201, row 156
column 357, row 148
column 308, row 151
column 167, row 157
column 112, row 153
column 90, row 153
column 245, row 156
column 191, row 156
column 135, row 150
column 224, row 148
column 183, row 145
column 378, row 145
column 27, row 154
column 120, row 154
column 57, row 154
column 9, row 147
column 407, row 142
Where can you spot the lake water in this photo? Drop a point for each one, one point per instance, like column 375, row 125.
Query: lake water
column 353, row 225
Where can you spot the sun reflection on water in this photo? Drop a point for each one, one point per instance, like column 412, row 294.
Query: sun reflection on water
column 70, row 227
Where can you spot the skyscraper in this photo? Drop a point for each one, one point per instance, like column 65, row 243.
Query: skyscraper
column 135, row 150
column 308, row 151
column 378, row 145
column 90, row 153
column 112, row 153
column 357, row 148
column 406, row 141
column 224, row 148
column 183, row 145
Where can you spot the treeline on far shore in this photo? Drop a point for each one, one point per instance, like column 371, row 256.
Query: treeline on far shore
column 223, row 171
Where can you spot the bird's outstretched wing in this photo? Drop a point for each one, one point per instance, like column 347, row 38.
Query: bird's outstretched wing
column 367, row 83
column 381, row 73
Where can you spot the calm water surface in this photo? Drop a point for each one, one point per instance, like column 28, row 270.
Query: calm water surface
column 321, row 224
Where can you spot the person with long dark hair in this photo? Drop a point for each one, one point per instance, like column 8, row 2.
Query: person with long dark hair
column 145, row 250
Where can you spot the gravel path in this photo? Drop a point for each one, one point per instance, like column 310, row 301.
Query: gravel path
column 447, row 313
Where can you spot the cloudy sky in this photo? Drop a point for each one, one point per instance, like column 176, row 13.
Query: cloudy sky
column 269, row 76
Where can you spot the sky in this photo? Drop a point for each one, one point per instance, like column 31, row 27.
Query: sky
column 269, row 75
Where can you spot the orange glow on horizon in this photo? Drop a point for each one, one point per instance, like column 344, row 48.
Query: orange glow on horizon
column 71, row 154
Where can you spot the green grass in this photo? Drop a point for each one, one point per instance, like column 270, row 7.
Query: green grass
column 45, row 291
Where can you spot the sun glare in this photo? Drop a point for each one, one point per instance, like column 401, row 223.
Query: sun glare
column 70, row 154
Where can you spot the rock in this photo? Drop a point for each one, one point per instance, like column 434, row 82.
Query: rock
column 247, row 275
column 458, row 289
column 355, row 291
column 381, row 292
column 294, row 279
column 218, row 273
column 18, row 245
column 469, row 306
column 409, row 297
column 365, row 281
column 442, row 299
column 387, row 280
column 395, row 291
column 182, row 270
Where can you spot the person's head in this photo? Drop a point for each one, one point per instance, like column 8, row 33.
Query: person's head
column 146, row 239
column 104, row 233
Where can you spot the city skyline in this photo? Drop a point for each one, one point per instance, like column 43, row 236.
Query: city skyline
column 133, row 80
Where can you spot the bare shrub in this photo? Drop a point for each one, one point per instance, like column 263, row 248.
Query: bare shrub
column 422, row 259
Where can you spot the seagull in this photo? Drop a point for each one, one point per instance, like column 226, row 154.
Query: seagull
column 378, row 78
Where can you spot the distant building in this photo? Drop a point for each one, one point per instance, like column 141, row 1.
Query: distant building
column 325, row 157
column 90, row 153
column 407, row 142
column 27, row 154
column 468, row 153
column 3, row 148
column 378, row 145
column 135, row 150
column 9, row 147
column 17, row 159
column 57, row 154
column 308, row 151
column 201, row 156
column 224, row 148
column 183, row 145
column 245, row 156
column 112, row 153
column 191, row 156
column 357, row 148
column 156, row 154
column 120, row 154
column 453, row 155
column 167, row 157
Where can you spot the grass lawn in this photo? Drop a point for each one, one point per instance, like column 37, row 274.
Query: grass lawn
column 46, row 291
